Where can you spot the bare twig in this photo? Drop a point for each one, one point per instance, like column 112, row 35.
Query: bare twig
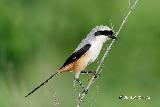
column 92, row 104
column 98, row 70
column 56, row 103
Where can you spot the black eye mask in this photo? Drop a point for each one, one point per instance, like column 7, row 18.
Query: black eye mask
column 105, row 32
column 110, row 33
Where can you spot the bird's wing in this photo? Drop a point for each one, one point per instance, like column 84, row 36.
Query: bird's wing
column 76, row 55
column 83, row 43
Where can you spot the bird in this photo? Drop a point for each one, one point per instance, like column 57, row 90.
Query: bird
column 86, row 53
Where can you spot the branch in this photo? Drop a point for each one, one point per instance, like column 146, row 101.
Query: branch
column 56, row 102
column 98, row 70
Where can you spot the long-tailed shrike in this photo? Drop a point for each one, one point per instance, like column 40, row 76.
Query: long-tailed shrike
column 86, row 53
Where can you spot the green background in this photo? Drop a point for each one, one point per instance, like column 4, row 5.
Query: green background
column 36, row 36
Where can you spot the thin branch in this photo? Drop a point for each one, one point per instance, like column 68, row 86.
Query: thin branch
column 94, row 97
column 98, row 70
column 56, row 102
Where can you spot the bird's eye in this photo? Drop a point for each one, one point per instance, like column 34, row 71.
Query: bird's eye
column 105, row 32
column 109, row 32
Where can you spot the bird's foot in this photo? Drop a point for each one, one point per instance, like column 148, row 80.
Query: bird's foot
column 96, row 75
column 85, row 91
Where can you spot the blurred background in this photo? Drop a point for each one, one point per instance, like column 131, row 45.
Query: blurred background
column 36, row 36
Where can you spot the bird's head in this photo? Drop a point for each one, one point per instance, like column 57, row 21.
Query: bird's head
column 103, row 31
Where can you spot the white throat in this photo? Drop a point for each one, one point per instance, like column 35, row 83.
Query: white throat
column 96, row 46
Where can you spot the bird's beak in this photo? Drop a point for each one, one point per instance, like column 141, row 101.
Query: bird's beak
column 113, row 36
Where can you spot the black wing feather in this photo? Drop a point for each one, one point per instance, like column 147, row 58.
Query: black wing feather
column 76, row 55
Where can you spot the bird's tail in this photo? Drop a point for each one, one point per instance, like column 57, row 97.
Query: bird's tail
column 43, row 83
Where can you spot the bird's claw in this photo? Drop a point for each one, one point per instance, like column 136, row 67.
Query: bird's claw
column 85, row 91
column 96, row 75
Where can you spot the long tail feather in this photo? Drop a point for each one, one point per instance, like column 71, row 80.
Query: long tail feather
column 43, row 83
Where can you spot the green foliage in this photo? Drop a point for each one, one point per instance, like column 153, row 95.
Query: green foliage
column 36, row 36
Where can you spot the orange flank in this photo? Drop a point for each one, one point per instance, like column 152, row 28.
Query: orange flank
column 76, row 66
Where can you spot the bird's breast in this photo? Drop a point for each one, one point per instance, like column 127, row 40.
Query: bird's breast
column 94, row 50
